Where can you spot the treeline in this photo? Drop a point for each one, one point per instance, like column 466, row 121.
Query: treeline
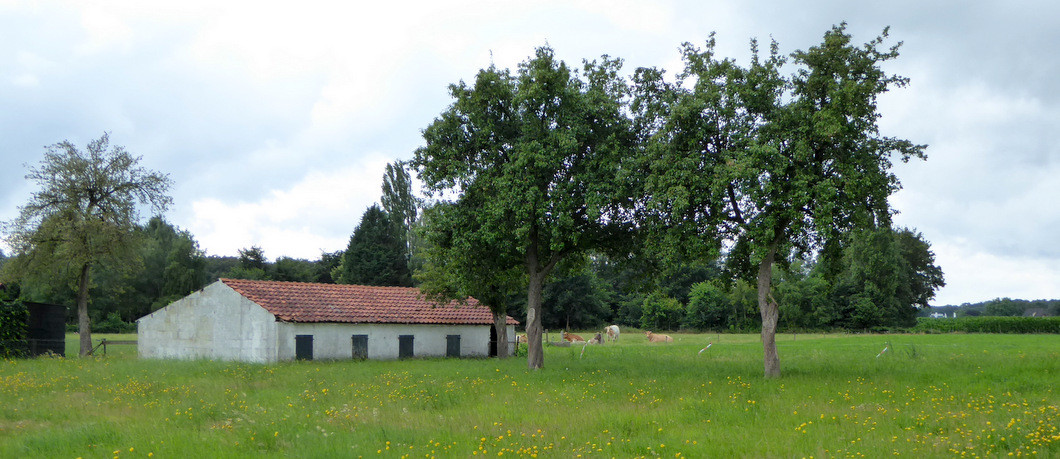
column 877, row 279
column 1023, row 325
column 999, row 307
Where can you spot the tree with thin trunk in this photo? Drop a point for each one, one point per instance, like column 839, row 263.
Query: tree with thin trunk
column 542, row 152
column 458, row 264
column 84, row 213
column 399, row 203
column 774, row 165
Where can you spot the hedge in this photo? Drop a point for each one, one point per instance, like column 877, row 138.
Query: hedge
column 13, row 329
column 988, row 325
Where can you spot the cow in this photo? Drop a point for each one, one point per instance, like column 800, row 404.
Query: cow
column 520, row 338
column 612, row 332
column 598, row 339
column 658, row 338
column 571, row 337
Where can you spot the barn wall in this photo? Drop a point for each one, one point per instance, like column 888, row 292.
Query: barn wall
column 333, row 341
column 213, row 323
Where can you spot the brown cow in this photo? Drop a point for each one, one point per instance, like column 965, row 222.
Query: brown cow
column 571, row 337
column 658, row 338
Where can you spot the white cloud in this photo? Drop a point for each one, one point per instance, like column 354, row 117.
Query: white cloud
column 973, row 275
column 318, row 213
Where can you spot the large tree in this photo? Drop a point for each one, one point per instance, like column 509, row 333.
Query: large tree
column 773, row 164
column 546, row 147
column 376, row 253
column 84, row 213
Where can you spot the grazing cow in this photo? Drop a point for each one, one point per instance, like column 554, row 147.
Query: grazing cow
column 571, row 337
column 658, row 338
column 612, row 332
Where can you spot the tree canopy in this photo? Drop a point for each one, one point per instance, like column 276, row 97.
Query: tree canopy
column 84, row 212
column 376, row 253
column 537, row 153
column 773, row 164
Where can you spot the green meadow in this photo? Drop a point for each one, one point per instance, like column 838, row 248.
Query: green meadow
column 943, row 395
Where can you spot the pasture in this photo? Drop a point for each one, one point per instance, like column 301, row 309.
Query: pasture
column 959, row 395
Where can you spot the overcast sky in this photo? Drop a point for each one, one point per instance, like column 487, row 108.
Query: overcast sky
column 275, row 120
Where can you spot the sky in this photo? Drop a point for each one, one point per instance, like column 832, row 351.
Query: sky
column 275, row 120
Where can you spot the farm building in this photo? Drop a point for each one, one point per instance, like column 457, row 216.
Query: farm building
column 269, row 321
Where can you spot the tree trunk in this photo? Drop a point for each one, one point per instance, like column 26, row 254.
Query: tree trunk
column 82, row 312
column 535, row 356
column 500, row 323
column 768, row 307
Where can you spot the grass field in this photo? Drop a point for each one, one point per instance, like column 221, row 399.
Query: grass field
column 929, row 395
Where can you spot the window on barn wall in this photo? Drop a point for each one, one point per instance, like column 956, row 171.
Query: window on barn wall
column 452, row 345
column 303, row 347
column 405, row 346
column 360, row 347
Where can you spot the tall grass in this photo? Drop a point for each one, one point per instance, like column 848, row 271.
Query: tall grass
column 927, row 395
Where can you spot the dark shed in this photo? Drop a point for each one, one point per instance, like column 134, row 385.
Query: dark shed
column 47, row 328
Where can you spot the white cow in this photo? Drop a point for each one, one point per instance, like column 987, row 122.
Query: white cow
column 612, row 332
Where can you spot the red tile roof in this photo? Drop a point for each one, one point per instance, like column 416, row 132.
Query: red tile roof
column 305, row 302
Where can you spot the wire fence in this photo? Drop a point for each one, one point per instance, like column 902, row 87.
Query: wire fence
column 32, row 347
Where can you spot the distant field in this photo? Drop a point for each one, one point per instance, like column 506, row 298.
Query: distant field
column 928, row 395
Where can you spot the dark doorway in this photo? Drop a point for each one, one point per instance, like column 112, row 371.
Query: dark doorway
column 360, row 347
column 452, row 345
column 405, row 346
column 493, row 341
column 303, row 347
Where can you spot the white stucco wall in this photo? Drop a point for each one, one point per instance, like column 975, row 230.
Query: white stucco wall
column 333, row 341
column 219, row 323
column 213, row 323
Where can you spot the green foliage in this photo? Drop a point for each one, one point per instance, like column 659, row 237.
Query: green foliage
column 1038, row 308
column 456, row 263
column 576, row 302
column 325, row 265
column 84, row 214
column 114, row 324
column 708, row 308
column 1002, row 308
column 253, row 258
column 376, row 253
column 13, row 329
column 294, row 270
column 172, row 266
column 774, row 164
column 537, row 159
column 400, row 204
column 988, row 325
column 661, row 313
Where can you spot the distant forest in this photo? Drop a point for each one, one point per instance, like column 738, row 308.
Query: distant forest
column 998, row 307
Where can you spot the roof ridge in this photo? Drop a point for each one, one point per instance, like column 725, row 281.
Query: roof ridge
column 319, row 302
column 229, row 279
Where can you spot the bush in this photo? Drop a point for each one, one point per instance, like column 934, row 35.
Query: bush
column 988, row 325
column 114, row 324
column 661, row 313
column 13, row 329
column 708, row 307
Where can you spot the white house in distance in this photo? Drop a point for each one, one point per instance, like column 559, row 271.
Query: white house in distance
column 269, row 321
